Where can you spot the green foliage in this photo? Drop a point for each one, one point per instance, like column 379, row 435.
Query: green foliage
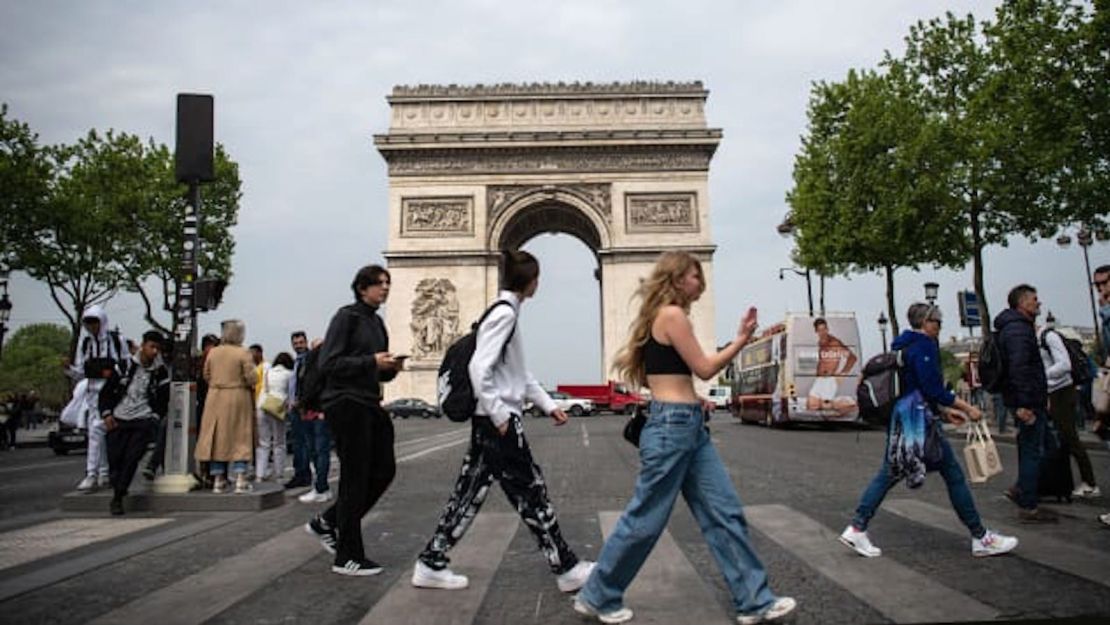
column 24, row 182
column 32, row 360
column 951, row 367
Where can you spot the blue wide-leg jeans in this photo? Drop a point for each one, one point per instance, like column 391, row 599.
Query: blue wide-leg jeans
column 677, row 455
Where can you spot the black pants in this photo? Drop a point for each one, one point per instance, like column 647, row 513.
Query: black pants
column 509, row 460
column 127, row 443
column 1062, row 410
column 364, row 443
column 158, row 456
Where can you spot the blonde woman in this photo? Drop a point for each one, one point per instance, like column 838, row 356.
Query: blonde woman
column 676, row 454
column 227, row 430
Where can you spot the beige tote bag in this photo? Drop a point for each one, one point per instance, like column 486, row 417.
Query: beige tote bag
column 980, row 453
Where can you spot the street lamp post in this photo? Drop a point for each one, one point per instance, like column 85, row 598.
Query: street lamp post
column 1085, row 239
column 882, row 328
column 809, row 284
column 5, row 308
column 786, row 231
column 931, row 289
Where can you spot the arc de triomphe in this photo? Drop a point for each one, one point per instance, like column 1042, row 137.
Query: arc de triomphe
column 472, row 170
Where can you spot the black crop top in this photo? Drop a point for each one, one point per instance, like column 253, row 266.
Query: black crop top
column 663, row 359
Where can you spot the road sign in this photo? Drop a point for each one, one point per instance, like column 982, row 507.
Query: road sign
column 969, row 309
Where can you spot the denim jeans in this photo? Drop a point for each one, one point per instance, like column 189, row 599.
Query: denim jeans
column 1000, row 413
column 676, row 455
column 219, row 467
column 958, row 492
column 1030, row 444
column 317, row 437
column 301, row 448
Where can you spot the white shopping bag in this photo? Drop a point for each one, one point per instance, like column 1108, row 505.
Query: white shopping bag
column 980, row 453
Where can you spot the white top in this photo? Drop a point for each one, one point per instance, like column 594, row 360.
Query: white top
column 275, row 382
column 502, row 387
column 1057, row 363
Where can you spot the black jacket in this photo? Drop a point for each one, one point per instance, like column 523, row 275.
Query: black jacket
column 355, row 334
column 157, row 390
column 1026, row 385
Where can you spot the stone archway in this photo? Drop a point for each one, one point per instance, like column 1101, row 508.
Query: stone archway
column 622, row 167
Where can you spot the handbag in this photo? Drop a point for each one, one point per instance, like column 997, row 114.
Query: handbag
column 272, row 404
column 981, row 454
column 1100, row 392
column 635, row 425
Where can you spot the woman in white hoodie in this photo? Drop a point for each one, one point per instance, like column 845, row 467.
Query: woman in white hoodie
column 1062, row 405
column 271, row 427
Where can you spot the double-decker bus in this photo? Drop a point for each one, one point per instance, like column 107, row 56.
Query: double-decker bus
column 803, row 369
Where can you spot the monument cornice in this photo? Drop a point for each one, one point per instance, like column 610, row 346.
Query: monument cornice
column 639, row 88
column 546, row 138
column 550, row 159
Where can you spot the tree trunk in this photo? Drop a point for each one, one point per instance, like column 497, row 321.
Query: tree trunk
column 977, row 262
column 890, row 310
column 821, row 279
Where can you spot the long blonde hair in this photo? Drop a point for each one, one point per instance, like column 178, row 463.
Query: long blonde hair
column 657, row 291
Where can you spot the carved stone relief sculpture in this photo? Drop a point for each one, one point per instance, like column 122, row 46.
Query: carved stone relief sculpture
column 661, row 212
column 437, row 216
column 435, row 317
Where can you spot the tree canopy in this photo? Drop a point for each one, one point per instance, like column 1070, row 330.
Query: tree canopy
column 33, row 362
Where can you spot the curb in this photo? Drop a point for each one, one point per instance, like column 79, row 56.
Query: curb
column 1010, row 439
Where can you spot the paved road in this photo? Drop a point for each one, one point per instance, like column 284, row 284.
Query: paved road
column 799, row 486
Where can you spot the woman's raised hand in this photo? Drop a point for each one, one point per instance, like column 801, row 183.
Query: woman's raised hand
column 748, row 323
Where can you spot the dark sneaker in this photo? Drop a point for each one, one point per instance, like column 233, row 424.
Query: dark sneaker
column 295, row 483
column 357, row 568
column 1011, row 493
column 116, row 506
column 148, row 473
column 323, row 532
column 1038, row 515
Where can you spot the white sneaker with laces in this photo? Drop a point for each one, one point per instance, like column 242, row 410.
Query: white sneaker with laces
column 312, row 496
column 992, row 544
column 860, row 543
column 575, row 578
column 87, row 484
column 424, row 576
column 1086, row 491
column 780, row 608
column 610, row 618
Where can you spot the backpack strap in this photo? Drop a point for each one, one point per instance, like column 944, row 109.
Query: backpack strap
column 512, row 332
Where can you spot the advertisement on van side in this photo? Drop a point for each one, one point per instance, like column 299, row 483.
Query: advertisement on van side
column 826, row 363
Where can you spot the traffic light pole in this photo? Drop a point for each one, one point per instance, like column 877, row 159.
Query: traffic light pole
column 181, row 420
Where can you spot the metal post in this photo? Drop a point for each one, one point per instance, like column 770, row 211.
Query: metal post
column 809, row 292
column 177, row 478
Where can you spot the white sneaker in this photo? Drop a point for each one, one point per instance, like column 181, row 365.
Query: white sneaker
column 780, row 608
column 860, row 543
column 424, row 576
column 87, row 484
column 1086, row 491
column 312, row 496
column 610, row 618
column 575, row 578
column 992, row 544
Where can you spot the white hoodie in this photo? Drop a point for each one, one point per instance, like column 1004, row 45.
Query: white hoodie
column 99, row 346
column 1057, row 363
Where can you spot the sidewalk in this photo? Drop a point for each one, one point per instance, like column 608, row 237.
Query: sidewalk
column 1089, row 439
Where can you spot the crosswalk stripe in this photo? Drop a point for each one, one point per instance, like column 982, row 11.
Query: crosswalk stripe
column 668, row 589
column 894, row 590
column 1079, row 561
column 478, row 555
column 46, row 539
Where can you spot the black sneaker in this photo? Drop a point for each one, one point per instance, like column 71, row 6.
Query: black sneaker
column 148, row 473
column 357, row 568
column 1038, row 515
column 295, row 483
column 116, row 506
column 323, row 532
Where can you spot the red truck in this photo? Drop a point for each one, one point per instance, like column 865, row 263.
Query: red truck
column 612, row 396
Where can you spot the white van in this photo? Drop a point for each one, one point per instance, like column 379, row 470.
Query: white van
column 803, row 369
column 720, row 396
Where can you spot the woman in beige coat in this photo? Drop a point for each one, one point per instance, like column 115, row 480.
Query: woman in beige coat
column 227, row 430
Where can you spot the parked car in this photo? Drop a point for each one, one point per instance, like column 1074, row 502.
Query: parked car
column 66, row 439
column 720, row 396
column 412, row 407
column 573, row 406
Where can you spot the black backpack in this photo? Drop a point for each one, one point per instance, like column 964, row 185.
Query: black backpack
column 880, row 388
column 455, row 393
column 1080, row 371
column 310, row 381
column 992, row 364
column 100, row 367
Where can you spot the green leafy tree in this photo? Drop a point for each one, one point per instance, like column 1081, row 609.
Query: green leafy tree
column 32, row 362
column 159, row 236
column 24, row 183
column 862, row 199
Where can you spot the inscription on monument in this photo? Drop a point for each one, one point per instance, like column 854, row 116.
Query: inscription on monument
column 437, row 216
column 435, row 317
column 661, row 212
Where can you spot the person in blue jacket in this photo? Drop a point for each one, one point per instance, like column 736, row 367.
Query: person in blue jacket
column 921, row 371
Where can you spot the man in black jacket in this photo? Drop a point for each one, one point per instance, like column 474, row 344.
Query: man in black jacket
column 1025, row 394
column 132, row 401
column 354, row 361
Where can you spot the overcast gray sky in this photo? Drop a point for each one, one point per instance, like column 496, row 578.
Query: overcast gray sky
column 300, row 88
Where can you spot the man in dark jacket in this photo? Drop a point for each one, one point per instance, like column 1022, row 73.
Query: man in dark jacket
column 133, row 399
column 1025, row 394
column 355, row 360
